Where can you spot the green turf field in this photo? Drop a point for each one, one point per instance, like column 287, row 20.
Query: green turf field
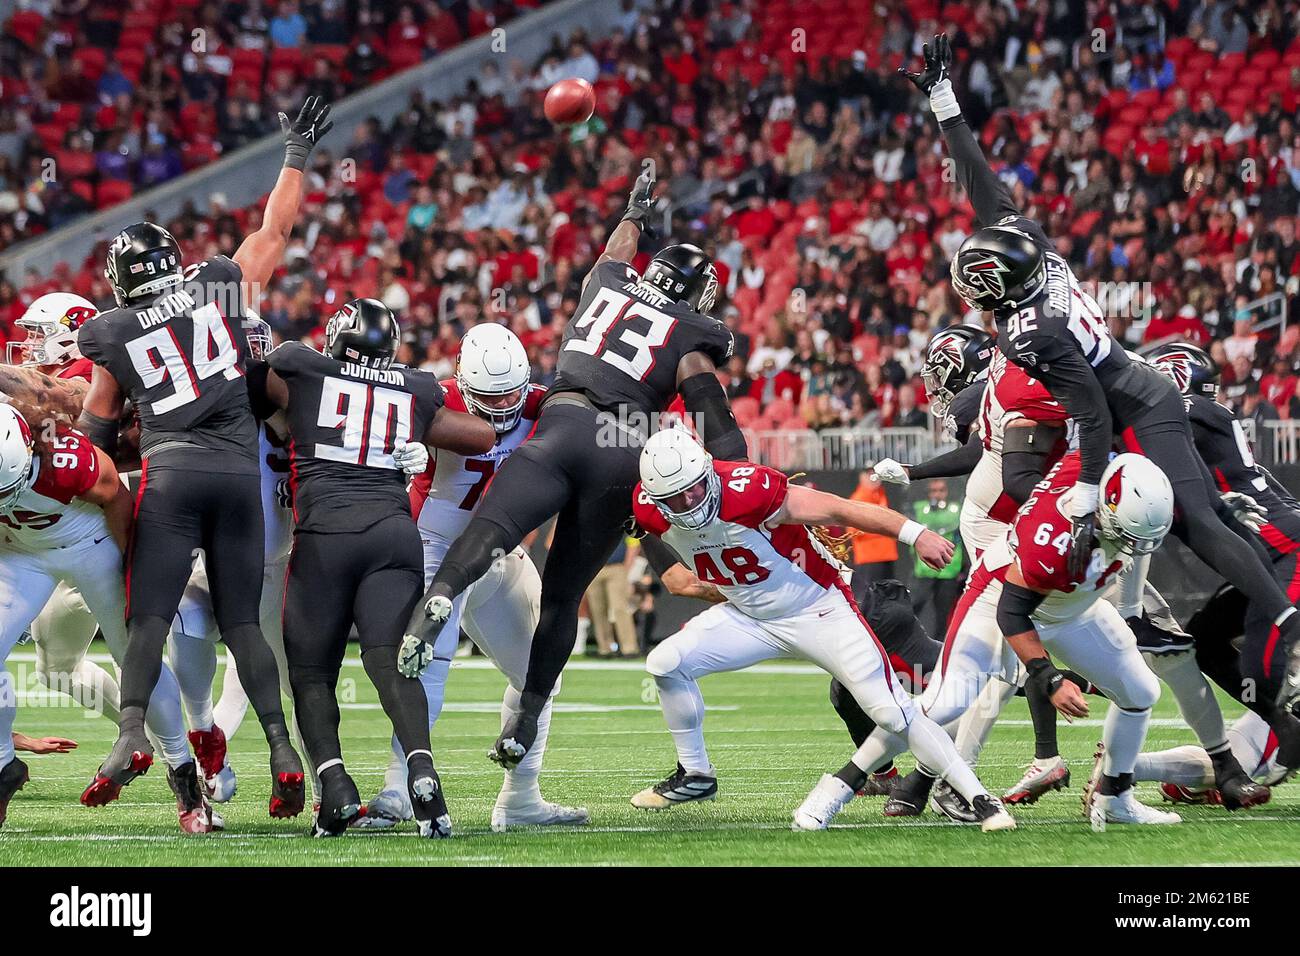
column 771, row 732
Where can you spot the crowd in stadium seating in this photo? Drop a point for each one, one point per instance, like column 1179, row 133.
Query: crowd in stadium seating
column 1162, row 152
column 101, row 100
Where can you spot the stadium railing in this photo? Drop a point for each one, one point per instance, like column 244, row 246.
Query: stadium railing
column 841, row 449
column 247, row 174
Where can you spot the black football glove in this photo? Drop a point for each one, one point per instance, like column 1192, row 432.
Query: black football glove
column 640, row 204
column 302, row 135
column 1083, row 535
column 937, row 60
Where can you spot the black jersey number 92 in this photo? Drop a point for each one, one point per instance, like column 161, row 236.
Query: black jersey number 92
column 624, row 343
column 345, row 420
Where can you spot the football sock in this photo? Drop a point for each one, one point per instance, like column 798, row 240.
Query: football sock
column 520, row 784
column 195, row 664
column 317, row 710
column 232, row 707
column 1113, row 785
column 1187, row 766
column 853, row 775
column 402, row 698
column 974, row 726
column 683, row 708
column 1123, row 734
column 8, row 711
column 165, row 720
column 434, row 683
column 258, row 672
column 1043, row 716
column 1196, row 701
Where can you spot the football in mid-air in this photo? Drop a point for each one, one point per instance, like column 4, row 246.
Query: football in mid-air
column 569, row 102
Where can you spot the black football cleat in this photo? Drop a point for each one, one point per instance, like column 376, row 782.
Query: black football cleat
column 13, row 778
column 192, row 808
column 516, row 739
column 1239, row 792
column 288, row 782
column 428, row 804
column 909, row 796
column 677, row 788
column 947, row 801
column 131, row 757
column 340, row 803
column 991, row 814
column 881, row 784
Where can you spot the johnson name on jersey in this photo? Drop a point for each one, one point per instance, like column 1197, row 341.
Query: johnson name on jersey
column 179, row 356
column 444, row 497
column 344, row 421
column 50, row 513
column 766, row 572
column 623, row 344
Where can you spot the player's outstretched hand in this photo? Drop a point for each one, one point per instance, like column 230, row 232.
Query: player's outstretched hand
column 302, row 135
column 938, row 57
column 640, row 204
column 934, row 549
column 892, row 471
column 1069, row 700
column 1245, row 509
column 44, row 745
column 1083, row 534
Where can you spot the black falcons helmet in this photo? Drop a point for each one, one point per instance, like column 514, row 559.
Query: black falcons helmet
column 142, row 259
column 684, row 273
column 998, row 266
column 363, row 331
column 954, row 358
column 1189, row 366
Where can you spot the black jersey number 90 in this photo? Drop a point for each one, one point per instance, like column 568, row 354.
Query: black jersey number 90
column 637, row 330
column 371, row 420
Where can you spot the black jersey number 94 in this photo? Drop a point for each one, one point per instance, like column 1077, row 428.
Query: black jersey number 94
column 159, row 356
column 621, row 331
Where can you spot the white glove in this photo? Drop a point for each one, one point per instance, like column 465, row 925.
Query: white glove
column 891, row 471
column 411, row 457
column 1245, row 509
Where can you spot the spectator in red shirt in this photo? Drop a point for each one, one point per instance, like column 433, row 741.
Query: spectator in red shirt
column 772, row 383
column 1183, row 325
column 1279, row 384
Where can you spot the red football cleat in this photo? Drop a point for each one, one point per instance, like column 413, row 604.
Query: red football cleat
column 209, row 750
column 288, row 795
column 1179, row 794
column 103, row 790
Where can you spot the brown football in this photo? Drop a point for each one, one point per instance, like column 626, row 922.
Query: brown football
column 570, row 101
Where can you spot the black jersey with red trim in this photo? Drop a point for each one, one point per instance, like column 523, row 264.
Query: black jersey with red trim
column 344, row 421
column 623, row 344
column 179, row 357
column 1223, row 446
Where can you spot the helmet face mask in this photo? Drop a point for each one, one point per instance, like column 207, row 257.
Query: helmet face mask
column 142, row 260
column 997, row 267
column 493, row 372
column 955, row 359
column 678, row 477
column 363, row 331
column 258, row 334
column 695, row 506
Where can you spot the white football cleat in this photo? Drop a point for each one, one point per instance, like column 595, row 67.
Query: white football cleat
column 413, row 656
column 385, row 811
column 829, row 797
column 539, row 813
column 222, row 787
column 1042, row 776
column 1125, row 808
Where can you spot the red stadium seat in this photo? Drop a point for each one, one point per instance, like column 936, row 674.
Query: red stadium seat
column 110, row 192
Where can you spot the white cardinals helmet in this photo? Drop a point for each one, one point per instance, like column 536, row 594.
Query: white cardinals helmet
column 493, row 373
column 1137, row 504
column 677, row 474
column 15, row 457
column 51, row 323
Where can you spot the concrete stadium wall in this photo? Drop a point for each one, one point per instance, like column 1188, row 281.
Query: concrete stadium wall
column 249, row 173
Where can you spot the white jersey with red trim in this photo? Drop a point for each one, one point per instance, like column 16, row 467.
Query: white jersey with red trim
column 765, row 572
column 1010, row 394
column 1038, row 541
column 443, row 499
column 49, row 514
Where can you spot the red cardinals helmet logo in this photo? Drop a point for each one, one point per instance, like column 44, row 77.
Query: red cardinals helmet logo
column 1114, row 489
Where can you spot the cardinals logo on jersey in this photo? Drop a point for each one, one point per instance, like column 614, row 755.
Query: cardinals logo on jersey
column 1114, row 489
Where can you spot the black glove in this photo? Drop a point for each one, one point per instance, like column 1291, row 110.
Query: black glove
column 302, row 135
column 937, row 60
column 640, row 204
column 1083, row 535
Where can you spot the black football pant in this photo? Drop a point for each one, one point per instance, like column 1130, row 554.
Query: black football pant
column 1164, row 435
column 177, row 511
column 581, row 465
column 371, row 579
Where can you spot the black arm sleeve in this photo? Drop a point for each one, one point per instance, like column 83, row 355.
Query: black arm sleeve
column 263, row 407
column 959, row 461
column 102, row 432
column 1014, row 607
column 704, row 398
column 658, row 555
column 988, row 195
column 1072, row 382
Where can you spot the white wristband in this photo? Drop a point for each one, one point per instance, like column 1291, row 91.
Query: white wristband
column 910, row 531
column 1085, row 499
column 943, row 101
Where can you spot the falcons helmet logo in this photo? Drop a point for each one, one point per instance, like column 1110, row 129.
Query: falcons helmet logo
column 1176, row 365
column 1114, row 490
column 984, row 274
